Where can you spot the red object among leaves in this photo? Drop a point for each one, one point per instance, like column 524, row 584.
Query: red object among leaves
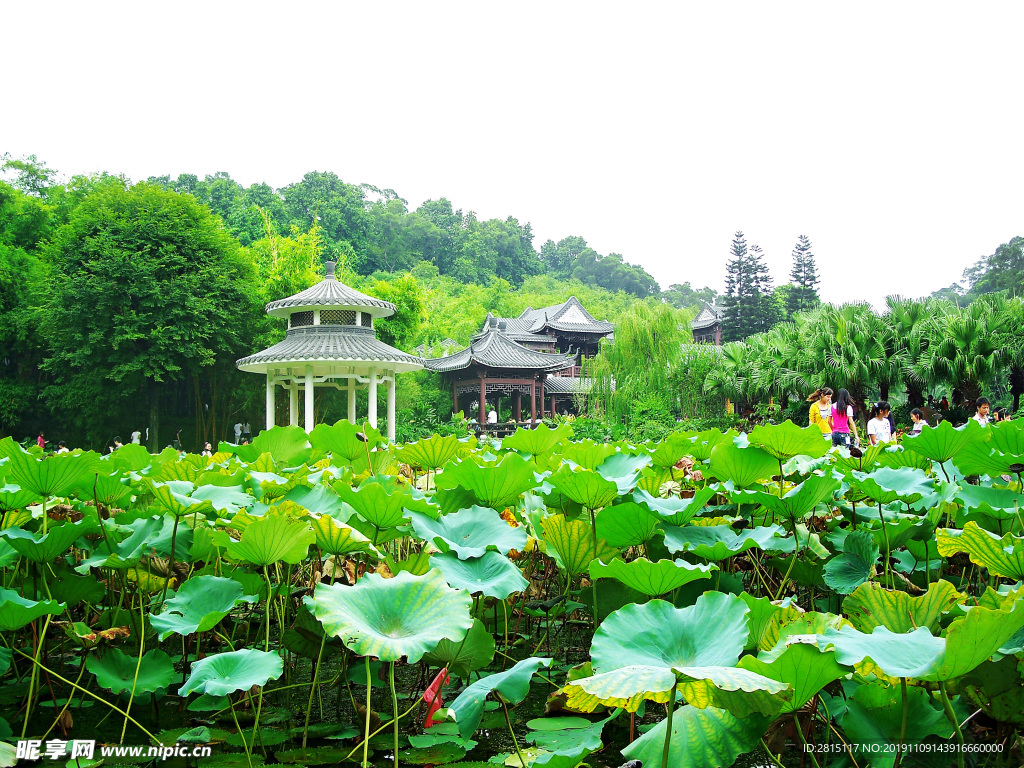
column 432, row 696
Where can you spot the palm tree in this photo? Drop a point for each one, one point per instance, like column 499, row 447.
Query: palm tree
column 1015, row 350
column 907, row 323
column 845, row 347
column 970, row 348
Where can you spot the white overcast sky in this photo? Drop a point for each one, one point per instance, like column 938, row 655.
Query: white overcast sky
column 889, row 133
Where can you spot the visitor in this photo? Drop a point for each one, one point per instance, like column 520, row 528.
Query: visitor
column 931, row 401
column 981, row 409
column 238, row 433
column 207, row 450
column 842, row 421
column 944, row 404
column 1000, row 414
column 41, row 441
column 821, row 411
column 117, row 444
column 177, row 442
column 879, row 428
column 61, row 447
column 247, row 431
column 137, row 437
column 492, row 416
column 917, row 416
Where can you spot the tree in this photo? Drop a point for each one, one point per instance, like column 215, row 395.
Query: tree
column 1002, row 271
column 613, row 273
column 337, row 207
column 148, row 288
column 804, row 278
column 685, row 297
column 402, row 328
column 560, row 257
column 970, row 345
column 748, row 288
column 31, row 175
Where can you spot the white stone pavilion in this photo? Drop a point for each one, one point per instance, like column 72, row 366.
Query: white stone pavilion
column 330, row 342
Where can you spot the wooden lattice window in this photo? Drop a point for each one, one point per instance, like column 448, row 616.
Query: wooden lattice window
column 367, row 319
column 337, row 317
column 298, row 319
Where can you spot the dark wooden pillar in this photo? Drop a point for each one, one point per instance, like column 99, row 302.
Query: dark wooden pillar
column 533, row 401
column 483, row 403
column 455, row 397
column 542, row 399
column 517, row 405
column 553, row 411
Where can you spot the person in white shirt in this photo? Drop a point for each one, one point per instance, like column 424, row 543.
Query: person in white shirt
column 238, row 433
column 982, row 407
column 137, row 437
column 879, row 428
column 917, row 416
column 492, row 416
column 246, row 431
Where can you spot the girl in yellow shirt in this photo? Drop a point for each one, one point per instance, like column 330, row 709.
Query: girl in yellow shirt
column 821, row 411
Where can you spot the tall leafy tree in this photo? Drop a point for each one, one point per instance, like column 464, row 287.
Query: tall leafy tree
column 804, row 278
column 971, row 345
column 1002, row 271
column 338, row 207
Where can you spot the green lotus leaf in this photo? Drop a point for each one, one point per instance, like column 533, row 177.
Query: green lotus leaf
column 1007, row 437
column 765, row 614
column 391, row 618
column 645, row 651
column 342, row 440
column 626, row 525
column 568, row 747
column 321, row 499
column 109, row 489
column 868, row 458
column 131, row 458
column 511, row 686
column 874, row 720
column 336, row 538
column 587, row 453
column 71, row 588
column 669, row 451
column 701, row 738
column 51, row 476
column 871, row 605
column 801, row 500
column 432, row 452
column 1002, row 556
column 115, row 671
column 623, row 469
column 539, row 440
column 494, row 484
column 783, row 629
column 270, row 539
column 703, row 443
column 474, row 652
column 199, row 605
column 491, row 574
column 133, row 540
column 470, row 532
column 803, row 667
column 13, row 498
column 786, row 440
column 16, row 611
column 571, row 544
column 856, row 565
column 383, row 504
column 897, row 457
column 997, row 688
column 943, row 442
column 717, row 542
column 886, row 485
column 43, row 548
column 918, row 654
column 675, row 511
column 585, row 487
column 177, row 504
column 745, row 467
column 227, row 499
column 226, row 673
column 994, row 502
column 651, row 579
column 289, row 446
column 563, row 723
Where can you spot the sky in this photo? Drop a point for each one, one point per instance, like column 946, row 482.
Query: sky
column 888, row 133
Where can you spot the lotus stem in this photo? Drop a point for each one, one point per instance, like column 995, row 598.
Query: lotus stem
column 515, row 742
column 903, row 724
column 366, row 737
column 668, row 726
column 138, row 662
column 885, row 535
column 67, row 704
column 170, row 565
column 593, row 584
column 34, row 674
column 951, row 716
column 385, row 725
column 312, row 689
column 394, row 706
column 241, row 734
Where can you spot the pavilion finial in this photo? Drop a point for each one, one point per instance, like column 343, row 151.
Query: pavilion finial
column 329, row 269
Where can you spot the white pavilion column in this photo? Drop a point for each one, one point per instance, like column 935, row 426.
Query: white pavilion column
column 270, row 400
column 293, row 404
column 352, row 400
column 391, row 408
column 309, row 398
column 371, row 414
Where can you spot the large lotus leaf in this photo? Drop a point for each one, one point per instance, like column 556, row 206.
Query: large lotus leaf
column 390, row 618
column 432, row 452
column 131, row 458
column 133, row 540
column 968, row 642
column 587, row 453
column 199, row 605
column 109, row 489
column 803, row 667
column 270, row 539
column 990, row 501
column 1007, row 437
column 116, row 671
column 321, row 499
column 13, row 498
column 585, row 487
column 980, row 458
column 1002, row 556
column 226, row 673
column 539, row 440
column 51, row 476
column 343, row 439
column 572, row 743
column 744, row 466
column 895, row 457
column 382, row 504
column 166, row 500
column 626, row 525
column 571, row 544
column 764, row 615
column 856, row 565
column 786, row 440
column 16, row 611
column 72, row 588
column 997, row 688
column 336, row 538
column 42, row 548
column 651, row 579
column 644, row 651
column 871, row 605
column 494, row 484
column 703, row 443
column 717, row 542
column 511, row 686
column 469, row 532
column 874, row 720
column 802, row 499
column 623, row 469
column 227, row 499
column 675, row 511
column 886, row 485
column 468, row 655
column 491, row 574
column 943, row 442
column 289, row 446
column 701, row 738
column 669, row 451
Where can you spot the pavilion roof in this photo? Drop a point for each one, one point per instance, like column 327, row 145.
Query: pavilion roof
column 706, row 318
column 494, row 349
column 569, row 316
column 567, row 385
column 324, row 345
column 333, row 294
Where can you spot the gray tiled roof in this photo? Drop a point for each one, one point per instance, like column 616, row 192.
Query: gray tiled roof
column 706, row 318
column 494, row 349
column 546, row 319
column 566, row 385
column 330, row 293
column 330, row 344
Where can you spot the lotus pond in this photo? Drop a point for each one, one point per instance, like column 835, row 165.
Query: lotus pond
column 715, row 599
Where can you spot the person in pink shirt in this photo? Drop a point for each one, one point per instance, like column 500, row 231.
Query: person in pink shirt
column 842, row 420
column 41, row 441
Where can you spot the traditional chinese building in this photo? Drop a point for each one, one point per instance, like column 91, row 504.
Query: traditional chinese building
column 707, row 326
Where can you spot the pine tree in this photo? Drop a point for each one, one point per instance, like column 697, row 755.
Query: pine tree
column 733, row 320
column 748, row 303
column 804, row 278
